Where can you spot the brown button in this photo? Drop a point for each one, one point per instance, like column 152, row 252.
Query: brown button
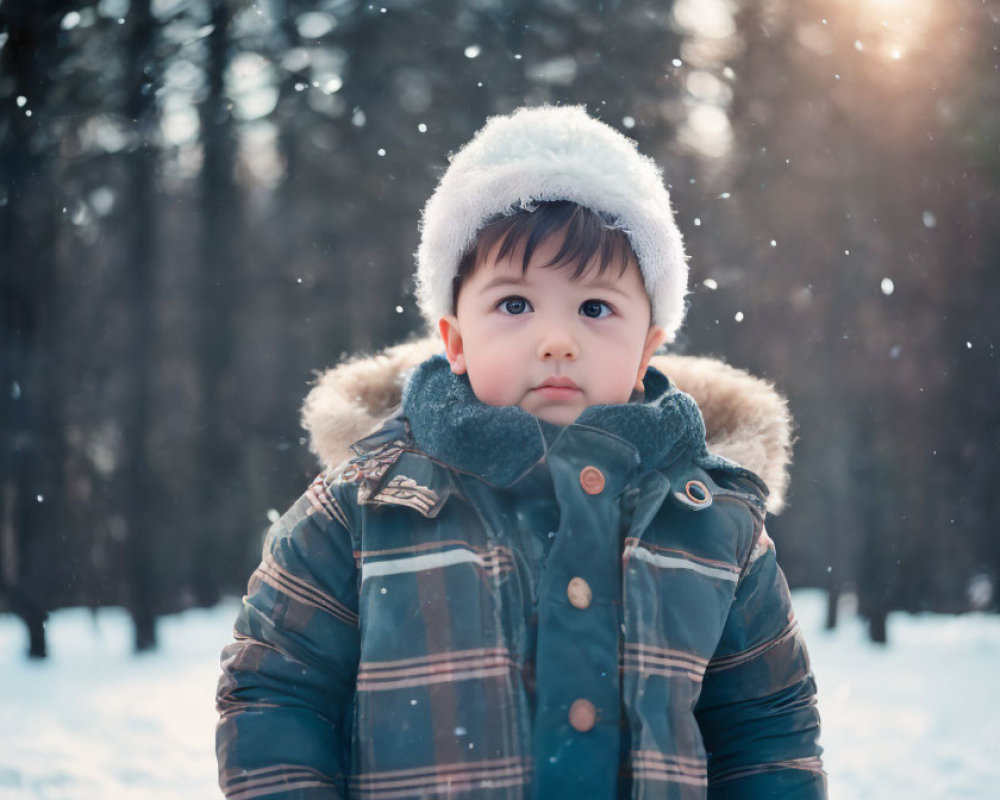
column 592, row 480
column 582, row 715
column 697, row 492
column 578, row 592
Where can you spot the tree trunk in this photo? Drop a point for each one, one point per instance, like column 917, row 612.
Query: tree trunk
column 218, row 465
column 832, row 600
column 29, row 457
column 137, row 483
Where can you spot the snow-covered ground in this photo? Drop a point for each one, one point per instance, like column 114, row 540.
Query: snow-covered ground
column 918, row 719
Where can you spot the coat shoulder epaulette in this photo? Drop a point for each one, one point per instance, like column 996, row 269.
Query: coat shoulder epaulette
column 389, row 470
column 736, row 477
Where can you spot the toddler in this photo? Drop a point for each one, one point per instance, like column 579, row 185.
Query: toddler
column 535, row 578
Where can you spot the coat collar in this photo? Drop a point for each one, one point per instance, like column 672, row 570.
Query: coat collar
column 746, row 419
column 500, row 444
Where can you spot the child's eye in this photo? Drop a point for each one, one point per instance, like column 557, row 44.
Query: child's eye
column 514, row 305
column 595, row 309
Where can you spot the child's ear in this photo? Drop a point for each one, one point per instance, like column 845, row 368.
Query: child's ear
column 654, row 339
column 452, row 338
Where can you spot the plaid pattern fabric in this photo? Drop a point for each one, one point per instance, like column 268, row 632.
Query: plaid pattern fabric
column 409, row 633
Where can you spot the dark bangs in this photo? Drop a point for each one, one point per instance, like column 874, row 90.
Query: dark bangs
column 588, row 237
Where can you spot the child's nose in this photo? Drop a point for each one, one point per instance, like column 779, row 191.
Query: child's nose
column 558, row 345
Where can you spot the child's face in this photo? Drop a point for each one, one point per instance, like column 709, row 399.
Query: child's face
column 547, row 343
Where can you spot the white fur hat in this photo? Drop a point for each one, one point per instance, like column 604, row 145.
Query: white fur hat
column 551, row 153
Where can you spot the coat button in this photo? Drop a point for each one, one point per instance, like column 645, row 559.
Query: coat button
column 578, row 592
column 592, row 480
column 582, row 715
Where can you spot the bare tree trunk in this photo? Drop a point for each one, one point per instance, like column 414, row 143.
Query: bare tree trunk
column 29, row 461
column 832, row 601
column 142, row 574
column 873, row 482
column 218, row 464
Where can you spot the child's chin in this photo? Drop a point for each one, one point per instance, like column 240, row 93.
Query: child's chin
column 558, row 416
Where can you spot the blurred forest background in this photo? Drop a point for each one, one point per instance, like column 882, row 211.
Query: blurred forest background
column 204, row 201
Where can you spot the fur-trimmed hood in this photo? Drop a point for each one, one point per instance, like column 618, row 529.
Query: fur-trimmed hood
column 746, row 419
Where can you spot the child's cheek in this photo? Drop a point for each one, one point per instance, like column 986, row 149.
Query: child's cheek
column 490, row 385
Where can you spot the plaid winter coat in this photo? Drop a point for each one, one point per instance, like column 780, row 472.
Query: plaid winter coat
column 482, row 605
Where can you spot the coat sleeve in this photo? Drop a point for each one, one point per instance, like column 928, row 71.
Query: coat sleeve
column 287, row 685
column 757, row 709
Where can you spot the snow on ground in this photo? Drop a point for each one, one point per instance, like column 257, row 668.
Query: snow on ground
column 917, row 719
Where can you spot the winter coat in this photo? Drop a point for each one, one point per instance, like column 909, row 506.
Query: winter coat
column 482, row 605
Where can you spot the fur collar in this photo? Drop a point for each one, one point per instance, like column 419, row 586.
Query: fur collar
column 745, row 418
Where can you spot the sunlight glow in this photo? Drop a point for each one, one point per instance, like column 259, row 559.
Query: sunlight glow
column 706, row 131
column 712, row 19
column 892, row 28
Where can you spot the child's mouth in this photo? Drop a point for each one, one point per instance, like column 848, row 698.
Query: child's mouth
column 557, row 388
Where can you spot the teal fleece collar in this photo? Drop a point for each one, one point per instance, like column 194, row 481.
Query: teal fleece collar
column 501, row 443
